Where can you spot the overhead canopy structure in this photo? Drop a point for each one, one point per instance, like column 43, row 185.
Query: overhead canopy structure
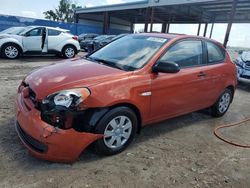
column 124, row 16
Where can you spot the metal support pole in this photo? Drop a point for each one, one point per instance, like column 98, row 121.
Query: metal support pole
column 132, row 27
column 168, row 26
column 229, row 25
column 164, row 27
column 152, row 19
column 205, row 30
column 146, row 20
column 106, row 21
column 199, row 28
column 211, row 32
column 76, row 23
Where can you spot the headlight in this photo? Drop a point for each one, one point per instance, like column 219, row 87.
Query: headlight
column 67, row 98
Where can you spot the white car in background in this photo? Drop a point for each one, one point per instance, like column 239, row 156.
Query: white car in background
column 37, row 40
column 13, row 30
column 243, row 66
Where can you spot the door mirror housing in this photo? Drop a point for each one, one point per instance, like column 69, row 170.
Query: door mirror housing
column 166, row 67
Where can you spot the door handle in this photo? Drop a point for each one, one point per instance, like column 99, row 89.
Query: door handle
column 202, row 74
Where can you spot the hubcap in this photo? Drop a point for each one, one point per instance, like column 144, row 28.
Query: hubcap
column 11, row 52
column 117, row 132
column 224, row 102
column 70, row 52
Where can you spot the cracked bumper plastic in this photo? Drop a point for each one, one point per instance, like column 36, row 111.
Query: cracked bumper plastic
column 45, row 141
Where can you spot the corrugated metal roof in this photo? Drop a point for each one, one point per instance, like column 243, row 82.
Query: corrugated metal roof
column 181, row 11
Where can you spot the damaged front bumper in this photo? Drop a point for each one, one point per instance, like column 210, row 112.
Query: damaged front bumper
column 243, row 74
column 45, row 141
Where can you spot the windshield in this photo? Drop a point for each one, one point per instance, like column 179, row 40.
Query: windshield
column 22, row 32
column 130, row 52
column 12, row 30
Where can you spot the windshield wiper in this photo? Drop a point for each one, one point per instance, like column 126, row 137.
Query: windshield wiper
column 106, row 62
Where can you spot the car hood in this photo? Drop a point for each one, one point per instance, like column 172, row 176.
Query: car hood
column 70, row 74
column 245, row 56
column 5, row 35
column 17, row 37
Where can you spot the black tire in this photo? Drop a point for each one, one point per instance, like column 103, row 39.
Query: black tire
column 72, row 49
column 216, row 108
column 14, row 47
column 99, row 146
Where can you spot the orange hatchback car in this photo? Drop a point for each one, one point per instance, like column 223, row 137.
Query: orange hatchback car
column 106, row 97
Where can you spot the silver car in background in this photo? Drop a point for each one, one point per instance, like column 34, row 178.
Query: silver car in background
column 243, row 66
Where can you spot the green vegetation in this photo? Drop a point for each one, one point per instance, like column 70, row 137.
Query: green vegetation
column 64, row 12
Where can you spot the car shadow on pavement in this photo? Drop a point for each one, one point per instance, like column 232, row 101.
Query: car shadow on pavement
column 32, row 59
column 38, row 58
column 159, row 129
column 244, row 86
column 168, row 126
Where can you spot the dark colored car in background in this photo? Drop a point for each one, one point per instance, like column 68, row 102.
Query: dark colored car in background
column 102, row 41
column 87, row 36
column 85, row 39
column 88, row 45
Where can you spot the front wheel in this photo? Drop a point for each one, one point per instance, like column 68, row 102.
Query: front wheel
column 69, row 51
column 222, row 104
column 118, row 127
column 10, row 51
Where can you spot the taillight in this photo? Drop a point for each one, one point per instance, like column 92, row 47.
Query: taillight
column 75, row 38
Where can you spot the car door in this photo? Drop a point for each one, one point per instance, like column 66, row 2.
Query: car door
column 32, row 40
column 55, row 37
column 216, row 69
column 174, row 94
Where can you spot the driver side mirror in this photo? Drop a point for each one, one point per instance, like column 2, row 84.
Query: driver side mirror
column 166, row 67
column 26, row 35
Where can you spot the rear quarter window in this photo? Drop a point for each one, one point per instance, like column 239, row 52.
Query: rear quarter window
column 215, row 53
column 52, row 32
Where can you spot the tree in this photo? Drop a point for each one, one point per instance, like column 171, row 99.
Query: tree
column 64, row 12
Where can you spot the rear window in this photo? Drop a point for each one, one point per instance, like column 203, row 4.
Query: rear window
column 52, row 32
column 215, row 53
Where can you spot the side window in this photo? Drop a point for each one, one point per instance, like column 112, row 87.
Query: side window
column 215, row 54
column 34, row 32
column 52, row 32
column 185, row 53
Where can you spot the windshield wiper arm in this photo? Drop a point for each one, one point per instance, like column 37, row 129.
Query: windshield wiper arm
column 108, row 63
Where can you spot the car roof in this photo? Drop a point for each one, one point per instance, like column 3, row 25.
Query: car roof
column 55, row 28
column 179, row 36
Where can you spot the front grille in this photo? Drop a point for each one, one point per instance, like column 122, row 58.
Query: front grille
column 247, row 67
column 247, row 63
column 31, row 142
column 246, row 77
column 32, row 95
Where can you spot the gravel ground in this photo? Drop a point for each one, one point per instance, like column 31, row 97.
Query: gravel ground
column 181, row 152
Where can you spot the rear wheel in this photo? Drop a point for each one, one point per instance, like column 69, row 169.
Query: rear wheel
column 118, row 126
column 69, row 51
column 222, row 104
column 10, row 51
